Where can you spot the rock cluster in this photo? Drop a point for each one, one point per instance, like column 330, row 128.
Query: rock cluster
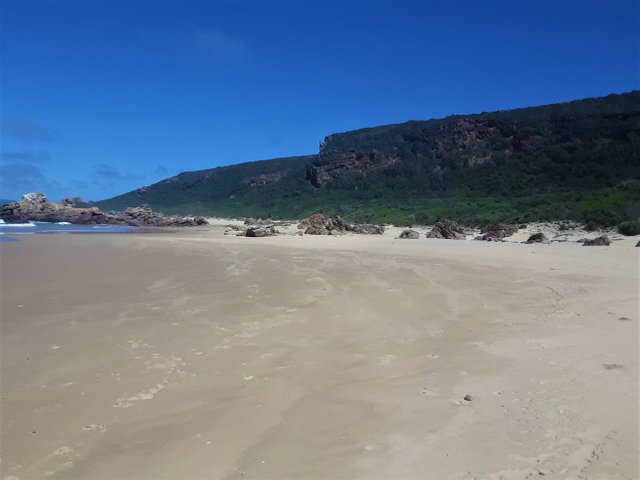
column 321, row 224
column 34, row 206
column 265, row 231
column 265, row 222
column 602, row 241
column 144, row 216
column 409, row 234
column 447, row 229
column 496, row 232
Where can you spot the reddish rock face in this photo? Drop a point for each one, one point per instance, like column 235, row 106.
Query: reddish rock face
column 264, row 179
column 333, row 165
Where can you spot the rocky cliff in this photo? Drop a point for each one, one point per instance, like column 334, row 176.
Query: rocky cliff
column 331, row 165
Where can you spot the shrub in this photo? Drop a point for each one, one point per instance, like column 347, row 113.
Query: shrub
column 629, row 228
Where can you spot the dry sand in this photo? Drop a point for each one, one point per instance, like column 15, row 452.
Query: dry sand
column 196, row 355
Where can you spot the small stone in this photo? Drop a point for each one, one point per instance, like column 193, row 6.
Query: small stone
column 468, row 398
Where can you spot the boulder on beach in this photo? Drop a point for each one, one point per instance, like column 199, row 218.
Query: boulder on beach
column 602, row 241
column 409, row 234
column 367, row 229
column 496, row 232
column 537, row 238
column 447, row 229
column 321, row 224
column 265, row 231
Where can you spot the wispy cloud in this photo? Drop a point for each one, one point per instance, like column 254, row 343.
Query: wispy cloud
column 26, row 156
column 23, row 177
column 111, row 173
column 25, row 131
column 78, row 184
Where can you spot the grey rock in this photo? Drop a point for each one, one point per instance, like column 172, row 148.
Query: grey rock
column 537, row 238
column 321, row 224
column 409, row 234
column 496, row 232
column 34, row 206
column 268, row 231
column 602, row 241
column 447, row 229
column 367, row 229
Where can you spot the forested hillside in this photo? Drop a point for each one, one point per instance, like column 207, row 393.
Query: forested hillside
column 577, row 160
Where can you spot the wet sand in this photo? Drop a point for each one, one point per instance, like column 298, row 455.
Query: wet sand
column 195, row 355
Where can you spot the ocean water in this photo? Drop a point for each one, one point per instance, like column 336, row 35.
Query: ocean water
column 57, row 227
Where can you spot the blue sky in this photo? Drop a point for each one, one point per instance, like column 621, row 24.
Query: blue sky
column 98, row 98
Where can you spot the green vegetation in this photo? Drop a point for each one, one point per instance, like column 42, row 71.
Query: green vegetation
column 629, row 228
column 574, row 161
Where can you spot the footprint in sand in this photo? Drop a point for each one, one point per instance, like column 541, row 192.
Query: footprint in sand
column 387, row 359
column 63, row 451
column 429, row 392
column 98, row 427
column 126, row 402
column 612, row 366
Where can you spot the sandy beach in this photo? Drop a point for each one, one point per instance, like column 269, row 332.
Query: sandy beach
column 195, row 355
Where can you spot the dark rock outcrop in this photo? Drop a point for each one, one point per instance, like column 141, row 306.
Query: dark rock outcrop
column 602, row 241
column 496, row 232
column 143, row 216
column 34, row 206
column 447, row 229
column 537, row 238
column 638, row 244
column 321, row 224
column 266, row 231
column 409, row 234
column 367, row 229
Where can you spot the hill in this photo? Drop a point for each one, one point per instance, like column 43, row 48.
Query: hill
column 578, row 160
